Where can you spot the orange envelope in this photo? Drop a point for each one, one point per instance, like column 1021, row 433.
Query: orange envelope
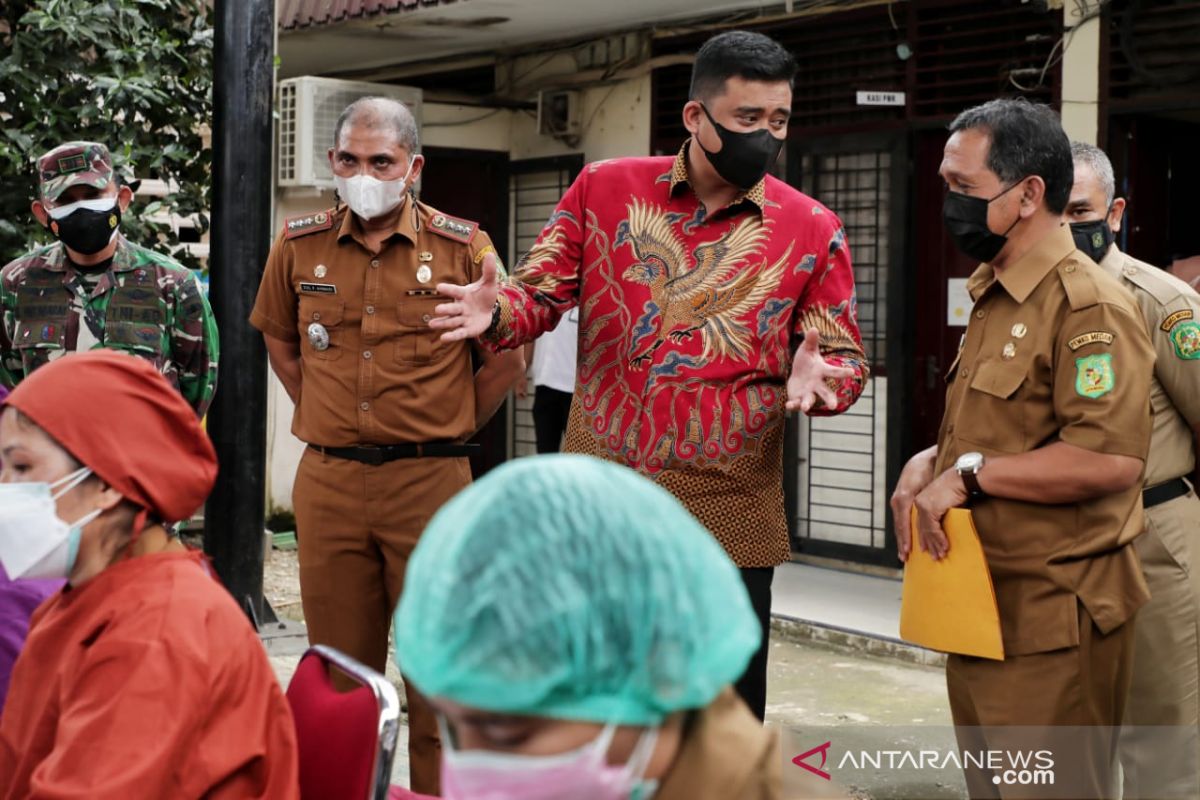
column 950, row 605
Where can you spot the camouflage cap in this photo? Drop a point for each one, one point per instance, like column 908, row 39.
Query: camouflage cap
column 74, row 164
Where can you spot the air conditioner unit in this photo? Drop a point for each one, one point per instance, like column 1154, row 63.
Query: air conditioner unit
column 558, row 113
column 308, row 111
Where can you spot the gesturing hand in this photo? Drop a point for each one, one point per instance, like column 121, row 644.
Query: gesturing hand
column 810, row 370
column 470, row 313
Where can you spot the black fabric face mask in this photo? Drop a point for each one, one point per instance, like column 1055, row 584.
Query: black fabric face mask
column 1093, row 238
column 965, row 218
column 86, row 231
column 744, row 158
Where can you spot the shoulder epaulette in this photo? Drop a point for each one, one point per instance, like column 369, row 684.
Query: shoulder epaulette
column 460, row 230
column 1159, row 284
column 307, row 223
column 1079, row 282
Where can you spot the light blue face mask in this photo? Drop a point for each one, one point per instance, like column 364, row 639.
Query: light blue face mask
column 34, row 541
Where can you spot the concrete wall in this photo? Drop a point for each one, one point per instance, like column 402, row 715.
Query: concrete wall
column 1081, row 75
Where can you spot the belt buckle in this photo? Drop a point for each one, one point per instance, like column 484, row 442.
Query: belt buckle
column 372, row 455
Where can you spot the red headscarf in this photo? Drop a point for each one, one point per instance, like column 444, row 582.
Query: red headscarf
column 117, row 415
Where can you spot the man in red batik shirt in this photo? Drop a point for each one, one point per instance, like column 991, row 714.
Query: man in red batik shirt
column 712, row 298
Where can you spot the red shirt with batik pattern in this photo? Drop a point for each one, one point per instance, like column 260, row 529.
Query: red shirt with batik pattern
column 687, row 327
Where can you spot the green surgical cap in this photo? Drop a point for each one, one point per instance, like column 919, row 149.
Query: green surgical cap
column 572, row 588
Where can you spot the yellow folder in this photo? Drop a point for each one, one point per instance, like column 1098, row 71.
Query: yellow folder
column 950, row 605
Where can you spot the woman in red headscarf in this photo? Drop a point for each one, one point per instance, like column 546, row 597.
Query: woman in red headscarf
column 141, row 678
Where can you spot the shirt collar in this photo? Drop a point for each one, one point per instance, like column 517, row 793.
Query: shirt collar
column 1022, row 277
column 406, row 225
column 756, row 194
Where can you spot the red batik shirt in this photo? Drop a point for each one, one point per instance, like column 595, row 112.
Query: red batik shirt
column 687, row 327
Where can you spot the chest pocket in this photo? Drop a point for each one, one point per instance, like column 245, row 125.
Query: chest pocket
column 327, row 312
column 43, row 306
column 136, row 318
column 416, row 342
column 992, row 416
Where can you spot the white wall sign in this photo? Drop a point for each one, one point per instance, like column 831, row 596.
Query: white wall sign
column 880, row 98
column 958, row 303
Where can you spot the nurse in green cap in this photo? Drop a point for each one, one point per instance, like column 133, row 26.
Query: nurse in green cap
column 577, row 632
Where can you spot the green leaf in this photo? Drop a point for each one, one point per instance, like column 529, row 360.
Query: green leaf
column 134, row 74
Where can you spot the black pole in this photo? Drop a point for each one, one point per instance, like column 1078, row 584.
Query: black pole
column 241, row 237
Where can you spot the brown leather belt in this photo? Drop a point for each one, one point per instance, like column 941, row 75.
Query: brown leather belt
column 1164, row 492
column 382, row 454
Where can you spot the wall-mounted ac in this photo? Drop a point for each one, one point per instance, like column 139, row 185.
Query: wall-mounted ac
column 558, row 113
column 308, row 111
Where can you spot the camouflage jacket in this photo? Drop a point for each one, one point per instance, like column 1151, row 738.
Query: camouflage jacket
column 145, row 304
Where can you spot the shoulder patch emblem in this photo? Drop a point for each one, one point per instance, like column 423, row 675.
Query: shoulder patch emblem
column 1090, row 338
column 1094, row 376
column 460, row 230
column 307, row 223
column 1175, row 319
column 1185, row 338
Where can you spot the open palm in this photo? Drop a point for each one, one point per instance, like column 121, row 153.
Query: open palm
column 470, row 311
column 810, row 372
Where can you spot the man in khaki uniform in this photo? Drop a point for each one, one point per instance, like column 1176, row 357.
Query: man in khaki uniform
column 1046, row 430
column 383, row 404
column 1160, row 752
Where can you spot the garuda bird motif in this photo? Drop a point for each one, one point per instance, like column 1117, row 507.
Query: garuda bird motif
column 708, row 292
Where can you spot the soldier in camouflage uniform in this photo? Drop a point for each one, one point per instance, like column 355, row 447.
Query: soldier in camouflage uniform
column 93, row 288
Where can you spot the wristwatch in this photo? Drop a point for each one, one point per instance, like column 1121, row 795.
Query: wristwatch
column 968, row 466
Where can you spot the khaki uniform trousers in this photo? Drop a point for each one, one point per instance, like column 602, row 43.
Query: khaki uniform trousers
column 1160, row 745
column 356, row 525
column 1080, row 690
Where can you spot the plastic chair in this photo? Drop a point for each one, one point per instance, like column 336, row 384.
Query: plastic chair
column 347, row 740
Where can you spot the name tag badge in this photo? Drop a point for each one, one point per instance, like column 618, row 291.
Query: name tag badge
column 318, row 288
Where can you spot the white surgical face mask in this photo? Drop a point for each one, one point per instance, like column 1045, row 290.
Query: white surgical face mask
column 581, row 774
column 100, row 204
column 370, row 197
column 34, row 542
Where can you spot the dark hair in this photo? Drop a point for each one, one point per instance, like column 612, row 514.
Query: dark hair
column 1026, row 139
column 740, row 54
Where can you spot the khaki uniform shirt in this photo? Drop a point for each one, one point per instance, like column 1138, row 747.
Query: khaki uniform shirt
column 386, row 377
column 726, row 754
column 1055, row 350
column 1172, row 312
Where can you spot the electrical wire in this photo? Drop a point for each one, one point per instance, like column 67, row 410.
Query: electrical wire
column 456, row 123
column 1086, row 15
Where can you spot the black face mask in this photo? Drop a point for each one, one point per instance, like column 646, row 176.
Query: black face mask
column 744, row 158
column 1093, row 238
column 965, row 218
column 86, row 231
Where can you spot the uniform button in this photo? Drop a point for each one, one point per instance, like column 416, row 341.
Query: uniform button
column 316, row 316
column 1070, row 268
column 370, row 309
column 364, row 406
column 426, row 318
column 980, row 314
column 366, row 354
column 964, row 372
column 374, row 262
